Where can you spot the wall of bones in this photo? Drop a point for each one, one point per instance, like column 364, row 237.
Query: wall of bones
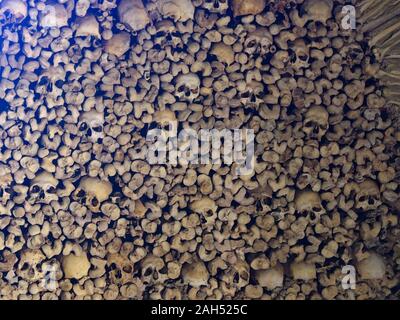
column 83, row 215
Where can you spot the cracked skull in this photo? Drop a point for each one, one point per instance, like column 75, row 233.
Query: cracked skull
column 187, row 87
column 309, row 203
column 92, row 192
column 43, row 189
column 91, row 125
column 121, row 269
column 316, row 122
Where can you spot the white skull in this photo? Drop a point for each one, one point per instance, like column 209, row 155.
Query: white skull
column 49, row 80
column 54, row 16
column 259, row 43
column 91, row 125
column 195, row 274
column 179, row 10
column 187, row 87
column 218, row 6
column 300, row 54
column 207, row 209
column 153, row 270
column 13, row 11
column 121, row 269
column 368, row 196
column 253, row 95
column 309, row 203
column 43, row 189
column 92, row 192
column 248, row 7
column 316, row 123
column 133, row 14
column 167, row 35
column 30, row 265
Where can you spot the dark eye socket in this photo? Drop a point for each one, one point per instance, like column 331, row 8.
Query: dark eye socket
column 51, row 189
column 160, row 34
column 94, row 202
column 303, row 58
column 83, row 126
column 97, row 129
column 35, row 189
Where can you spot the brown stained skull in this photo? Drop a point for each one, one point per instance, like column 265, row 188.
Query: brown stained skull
column 43, row 189
column 309, row 203
column 167, row 35
column 121, row 269
column 316, row 122
column 153, row 270
column 300, row 54
column 30, row 265
column 237, row 275
column 368, row 196
column 253, row 95
column 91, row 125
column 259, row 43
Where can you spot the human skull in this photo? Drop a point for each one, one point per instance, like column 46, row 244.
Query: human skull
column 195, row 274
column 300, row 54
column 121, row 269
column 43, row 189
column 223, row 52
column 92, row 192
column 318, row 10
column 246, row 7
column 153, row 270
column 30, row 265
column 368, row 196
column 48, row 81
column 91, row 125
column 187, row 87
column 309, row 203
column 179, row 10
column 133, row 14
column 238, row 274
column 218, row 6
column 259, row 43
column 316, row 122
column 167, row 35
column 119, row 44
column 13, row 11
column 5, row 184
column 354, row 54
column 206, row 208
column 75, row 266
column 87, row 26
column 54, row 16
column 165, row 119
column 253, row 95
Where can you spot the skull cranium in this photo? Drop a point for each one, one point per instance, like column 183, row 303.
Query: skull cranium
column 259, row 43
column 133, row 14
column 13, row 11
column 300, row 54
column 43, row 189
column 309, row 203
column 187, row 87
column 179, row 10
column 29, row 266
column 91, row 125
column 368, row 196
column 218, row 6
column 316, row 123
column 92, row 192
column 153, row 270
column 121, row 269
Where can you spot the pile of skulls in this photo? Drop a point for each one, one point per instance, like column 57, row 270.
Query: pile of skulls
column 83, row 215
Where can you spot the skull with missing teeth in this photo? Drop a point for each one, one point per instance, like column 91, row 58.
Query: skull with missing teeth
column 309, row 203
column 91, row 125
column 187, row 87
column 300, row 54
column 259, row 43
column 316, row 123
column 43, row 189
column 218, row 6
column 92, row 192
column 368, row 196
column 167, row 35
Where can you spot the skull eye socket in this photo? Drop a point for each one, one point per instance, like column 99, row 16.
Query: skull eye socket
column 35, row 189
column 316, row 209
column 148, row 272
column 312, row 215
column 252, row 44
column 83, row 126
column 363, row 198
column 303, row 57
column 51, row 190
column 97, row 129
column 127, row 269
column 94, row 202
column 81, row 193
column 181, row 89
column 309, row 124
column 160, row 34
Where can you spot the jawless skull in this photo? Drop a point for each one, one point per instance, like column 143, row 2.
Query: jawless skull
column 133, row 14
column 238, row 274
column 178, row 10
column 217, row 6
column 309, row 203
column 30, row 265
column 368, row 196
column 13, row 11
column 121, row 269
column 54, row 16
column 92, row 192
column 318, row 10
column 91, row 125
column 187, row 87
column 300, row 55
column 153, row 270
column 316, row 122
column 167, row 35
column 43, row 189
column 206, row 208
column 259, row 43
column 253, row 95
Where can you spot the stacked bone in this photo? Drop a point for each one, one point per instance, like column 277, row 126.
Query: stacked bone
column 82, row 81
